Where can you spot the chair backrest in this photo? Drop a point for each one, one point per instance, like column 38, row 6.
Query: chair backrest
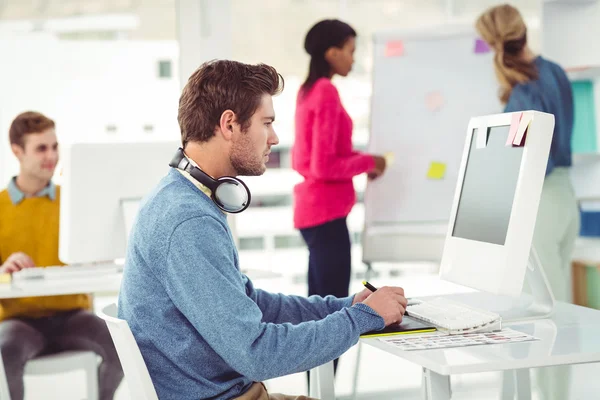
column 134, row 367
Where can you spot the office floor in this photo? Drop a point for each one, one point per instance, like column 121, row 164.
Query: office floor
column 381, row 376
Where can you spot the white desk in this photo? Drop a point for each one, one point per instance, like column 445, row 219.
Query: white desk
column 110, row 282
column 53, row 287
column 569, row 337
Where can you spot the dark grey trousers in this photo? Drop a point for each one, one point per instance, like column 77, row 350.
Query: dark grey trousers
column 22, row 339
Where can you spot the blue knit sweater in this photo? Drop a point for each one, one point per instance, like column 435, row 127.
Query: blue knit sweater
column 203, row 329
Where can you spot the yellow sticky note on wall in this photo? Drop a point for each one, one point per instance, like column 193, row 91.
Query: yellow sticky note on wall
column 437, row 170
column 389, row 159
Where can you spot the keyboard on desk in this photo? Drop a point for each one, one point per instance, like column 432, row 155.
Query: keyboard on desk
column 454, row 317
column 67, row 272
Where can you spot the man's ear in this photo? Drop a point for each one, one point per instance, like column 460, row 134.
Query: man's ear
column 226, row 124
column 17, row 150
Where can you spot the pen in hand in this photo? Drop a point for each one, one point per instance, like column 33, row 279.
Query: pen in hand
column 374, row 289
column 369, row 286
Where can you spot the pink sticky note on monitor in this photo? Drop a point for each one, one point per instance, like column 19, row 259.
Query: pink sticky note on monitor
column 395, row 48
column 523, row 125
column 514, row 126
column 481, row 46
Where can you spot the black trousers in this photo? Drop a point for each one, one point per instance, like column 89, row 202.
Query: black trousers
column 329, row 260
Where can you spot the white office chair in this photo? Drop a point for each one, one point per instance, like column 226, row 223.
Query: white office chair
column 134, row 367
column 138, row 377
column 57, row 363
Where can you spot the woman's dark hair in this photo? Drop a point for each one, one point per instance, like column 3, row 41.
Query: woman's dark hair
column 323, row 35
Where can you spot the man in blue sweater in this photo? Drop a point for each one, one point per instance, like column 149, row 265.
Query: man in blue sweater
column 205, row 332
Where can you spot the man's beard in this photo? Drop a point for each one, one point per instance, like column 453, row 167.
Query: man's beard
column 242, row 159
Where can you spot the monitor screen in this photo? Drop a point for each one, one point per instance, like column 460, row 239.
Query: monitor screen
column 488, row 188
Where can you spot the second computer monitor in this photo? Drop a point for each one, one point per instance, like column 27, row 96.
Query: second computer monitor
column 102, row 185
column 496, row 201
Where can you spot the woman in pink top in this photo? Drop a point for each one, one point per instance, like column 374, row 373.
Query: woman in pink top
column 323, row 155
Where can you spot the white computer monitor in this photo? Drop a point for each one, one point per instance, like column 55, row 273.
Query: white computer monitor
column 495, row 205
column 102, row 184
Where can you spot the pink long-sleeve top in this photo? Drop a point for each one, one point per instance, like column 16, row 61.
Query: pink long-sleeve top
column 323, row 155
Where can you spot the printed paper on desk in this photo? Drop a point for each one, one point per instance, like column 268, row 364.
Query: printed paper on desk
column 434, row 101
column 395, row 48
column 481, row 137
column 5, row 278
column 514, row 126
column 481, row 47
column 437, row 170
column 442, row 340
column 526, row 119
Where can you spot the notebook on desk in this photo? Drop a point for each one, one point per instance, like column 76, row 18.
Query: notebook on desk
column 407, row 326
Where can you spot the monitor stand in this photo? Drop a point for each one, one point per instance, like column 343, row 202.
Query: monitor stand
column 540, row 302
column 537, row 303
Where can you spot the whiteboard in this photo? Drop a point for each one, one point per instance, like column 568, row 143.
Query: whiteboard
column 426, row 87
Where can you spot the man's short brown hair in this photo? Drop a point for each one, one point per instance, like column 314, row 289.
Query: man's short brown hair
column 27, row 123
column 223, row 85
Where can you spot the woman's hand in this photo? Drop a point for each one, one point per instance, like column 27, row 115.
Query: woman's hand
column 380, row 165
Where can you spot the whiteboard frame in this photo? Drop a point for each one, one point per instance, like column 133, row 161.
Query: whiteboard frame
column 430, row 32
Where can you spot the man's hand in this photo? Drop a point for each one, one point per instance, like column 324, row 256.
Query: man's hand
column 362, row 296
column 389, row 302
column 16, row 262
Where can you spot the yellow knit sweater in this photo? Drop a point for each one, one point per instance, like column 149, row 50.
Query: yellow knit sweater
column 31, row 227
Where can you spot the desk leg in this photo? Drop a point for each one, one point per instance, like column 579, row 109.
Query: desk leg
column 435, row 386
column 508, row 385
column 356, row 369
column 322, row 382
column 517, row 381
column 523, row 384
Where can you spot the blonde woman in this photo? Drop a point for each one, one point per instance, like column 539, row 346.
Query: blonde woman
column 530, row 82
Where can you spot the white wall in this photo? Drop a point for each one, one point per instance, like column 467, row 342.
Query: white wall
column 117, row 83
column 85, row 86
column 28, row 81
column 570, row 33
column 203, row 31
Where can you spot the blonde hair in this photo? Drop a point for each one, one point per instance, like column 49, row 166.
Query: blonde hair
column 503, row 28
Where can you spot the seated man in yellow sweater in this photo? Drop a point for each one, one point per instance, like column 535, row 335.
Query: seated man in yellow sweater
column 29, row 215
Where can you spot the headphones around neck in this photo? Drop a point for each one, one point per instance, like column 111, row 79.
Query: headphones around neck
column 230, row 194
